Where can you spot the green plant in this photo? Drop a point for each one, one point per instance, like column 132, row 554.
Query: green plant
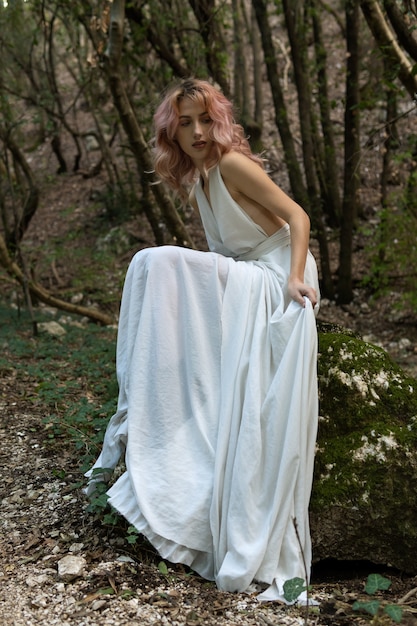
column 71, row 378
column 162, row 567
column 132, row 535
column 392, row 248
column 293, row 588
column 98, row 500
column 375, row 583
column 99, row 505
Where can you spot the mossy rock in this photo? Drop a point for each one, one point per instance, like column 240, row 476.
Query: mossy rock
column 364, row 500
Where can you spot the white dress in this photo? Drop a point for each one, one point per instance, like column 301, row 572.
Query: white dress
column 217, row 410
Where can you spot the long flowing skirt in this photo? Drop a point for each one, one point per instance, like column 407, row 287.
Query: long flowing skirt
column 217, row 415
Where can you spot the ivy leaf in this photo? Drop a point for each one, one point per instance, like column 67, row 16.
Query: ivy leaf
column 110, row 519
column 98, row 503
column 395, row 612
column 132, row 535
column 163, row 568
column 106, row 591
column 132, row 539
column 293, row 588
column 370, row 607
column 375, row 583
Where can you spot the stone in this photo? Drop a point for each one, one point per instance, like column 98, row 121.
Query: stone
column 37, row 581
column 76, row 547
column 98, row 604
column 71, row 567
column 52, row 328
column 363, row 504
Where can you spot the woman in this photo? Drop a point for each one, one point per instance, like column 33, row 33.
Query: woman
column 216, row 364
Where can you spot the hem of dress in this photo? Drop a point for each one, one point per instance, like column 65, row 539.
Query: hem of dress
column 125, row 503
column 121, row 498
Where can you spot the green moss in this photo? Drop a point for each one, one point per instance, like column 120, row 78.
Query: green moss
column 368, row 424
column 360, row 383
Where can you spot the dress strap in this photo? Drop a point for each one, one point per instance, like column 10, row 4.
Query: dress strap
column 279, row 239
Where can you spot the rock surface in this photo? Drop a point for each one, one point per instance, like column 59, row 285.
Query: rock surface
column 363, row 503
column 71, row 567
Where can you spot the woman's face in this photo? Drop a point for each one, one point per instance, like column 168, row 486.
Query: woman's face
column 192, row 132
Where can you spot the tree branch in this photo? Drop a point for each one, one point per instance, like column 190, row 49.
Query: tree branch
column 388, row 45
column 43, row 295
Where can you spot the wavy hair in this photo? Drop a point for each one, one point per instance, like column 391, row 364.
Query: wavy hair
column 172, row 165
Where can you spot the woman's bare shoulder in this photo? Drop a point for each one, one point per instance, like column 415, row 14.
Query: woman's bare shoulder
column 239, row 170
column 234, row 161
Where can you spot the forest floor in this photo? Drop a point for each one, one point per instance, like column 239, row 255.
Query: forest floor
column 44, row 516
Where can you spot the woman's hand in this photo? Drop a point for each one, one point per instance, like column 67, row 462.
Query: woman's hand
column 297, row 290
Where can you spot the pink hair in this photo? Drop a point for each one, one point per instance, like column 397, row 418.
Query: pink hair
column 172, row 165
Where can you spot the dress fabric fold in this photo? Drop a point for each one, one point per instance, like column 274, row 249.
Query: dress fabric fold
column 217, row 411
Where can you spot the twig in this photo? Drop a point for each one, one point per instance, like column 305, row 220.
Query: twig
column 59, row 281
column 268, row 622
column 408, row 595
column 294, row 521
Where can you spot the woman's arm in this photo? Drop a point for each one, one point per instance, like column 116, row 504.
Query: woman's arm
column 246, row 180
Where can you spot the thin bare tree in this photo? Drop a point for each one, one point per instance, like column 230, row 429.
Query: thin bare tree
column 352, row 153
column 137, row 141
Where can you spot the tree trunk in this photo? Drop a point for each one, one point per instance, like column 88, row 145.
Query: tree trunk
column 402, row 28
column 352, row 153
column 392, row 140
column 206, row 12
column 136, row 14
column 296, row 27
column 330, row 191
column 281, row 118
column 242, row 91
column 390, row 143
column 239, row 62
column 137, row 140
column 50, row 71
column 389, row 46
column 30, row 205
column 257, row 70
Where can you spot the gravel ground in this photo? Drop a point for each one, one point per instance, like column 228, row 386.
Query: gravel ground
column 43, row 520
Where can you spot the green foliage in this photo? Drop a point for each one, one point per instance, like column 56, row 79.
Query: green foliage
column 394, row 611
column 119, row 202
column 106, row 591
column 393, row 248
column 375, row 583
column 98, row 503
column 371, row 607
column 162, row 567
column 132, row 535
column 92, row 248
column 393, row 254
column 293, row 588
column 72, row 378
